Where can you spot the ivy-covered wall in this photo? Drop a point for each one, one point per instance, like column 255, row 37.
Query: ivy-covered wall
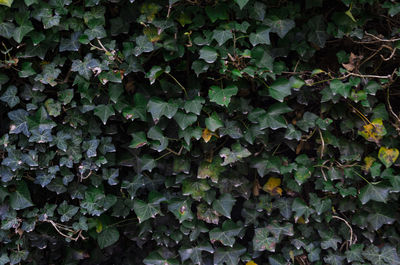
column 199, row 132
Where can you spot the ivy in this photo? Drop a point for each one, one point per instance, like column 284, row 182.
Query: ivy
column 199, row 132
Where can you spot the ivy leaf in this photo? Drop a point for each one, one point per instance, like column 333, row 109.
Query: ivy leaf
column 6, row 2
column 386, row 255
column 280, row 26
column 262, row 241
column 10, row 96
column 208, row 54
column 154, row 258
column 210, row 169
column 194, row 106
column 142, row 45
column 67, row 211
column 86, row 67
column 375, row 192
column 278, row 230
column 25, row 26
column 222, row 96
column 213, row 122
column 159, row 108
column 195, row 253
column 181, row 209
column 380, row 215
column 185, row 120
column 21, row 197
column 227, row 234
column 260, row 37
column 388, row 155
column 272, row 186
column 241, row 3
column 338, row 87
column 355, row 253
column 108, row 237
column 280, row 89
column 224, row 204
column 104, row 112
column 222, row 36
column 144, row 210
column 229, row 255
column 237, row 153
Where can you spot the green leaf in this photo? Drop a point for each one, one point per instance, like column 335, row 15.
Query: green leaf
column 386, row 255
column 67, row 211
column 228, row 255
column 208, row 54
column 142, row 45
column 262, row 241
column 26, row 70
column 355, row 253
column 241, row 3
column 222, row 96
column 210, row 169
column 185, row 120
column 280, row 89
column 194, row 106
column 227, row 234
column 216, row 12
column 144, row 210
column 374, row 192
column 222, row 36
column 159, row 108
column 181, row 209
column 195, row 253
column 154, row 258
column 25, row 26
column 139, row 140
column 10, row 96
column 108, row 237
column 104, row 112
column 224, row 204
column 213, row 122
column 260, row 37
column 21, row 197
column 237, row 153
column 338, row 87
column 280, row 26
column 302, row 174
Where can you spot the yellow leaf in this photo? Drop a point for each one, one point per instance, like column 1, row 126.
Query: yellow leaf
column 272, row 186
column 6, row 2
column 206, row 135
column 300, row 220
column 99, row 227
column 368, row 160
column 251, row 263
column 373, row 131
column 388, row 155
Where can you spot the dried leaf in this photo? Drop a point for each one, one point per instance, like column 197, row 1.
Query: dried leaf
column 272, row 186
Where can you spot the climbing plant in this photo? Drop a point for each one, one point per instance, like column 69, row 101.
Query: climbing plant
column 199, row 132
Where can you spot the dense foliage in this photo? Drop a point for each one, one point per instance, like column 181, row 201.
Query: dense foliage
column 199, row 132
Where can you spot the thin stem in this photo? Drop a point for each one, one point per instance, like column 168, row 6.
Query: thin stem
column 183, row 88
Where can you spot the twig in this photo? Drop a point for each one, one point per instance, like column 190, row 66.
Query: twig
column 322, row 143
column 351, row 242
column 57, row 226
column 379, row 39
